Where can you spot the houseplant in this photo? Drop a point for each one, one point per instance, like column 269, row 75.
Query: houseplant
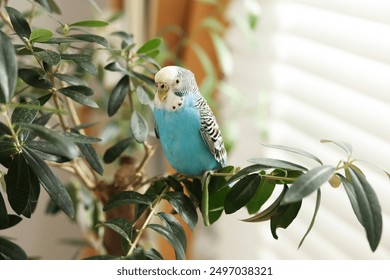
column 46, row 85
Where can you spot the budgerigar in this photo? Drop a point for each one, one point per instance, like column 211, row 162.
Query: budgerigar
column 187, row 128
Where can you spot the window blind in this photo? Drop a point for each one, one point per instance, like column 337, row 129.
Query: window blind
column 325, row 67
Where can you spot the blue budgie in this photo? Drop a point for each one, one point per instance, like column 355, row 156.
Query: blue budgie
column 188, row 131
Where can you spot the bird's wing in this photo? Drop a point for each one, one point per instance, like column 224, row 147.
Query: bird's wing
column 210, row 131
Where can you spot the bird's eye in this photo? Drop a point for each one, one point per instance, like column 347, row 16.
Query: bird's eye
column 177, row 81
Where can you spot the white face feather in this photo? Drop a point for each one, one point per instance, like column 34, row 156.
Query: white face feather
column 177, row 80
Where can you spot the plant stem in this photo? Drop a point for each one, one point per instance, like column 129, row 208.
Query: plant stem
column 154, row 205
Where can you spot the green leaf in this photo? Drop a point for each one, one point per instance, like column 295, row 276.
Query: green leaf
column 50, row 6
column 91, row 156
column 50, row 57
column 18, row 182
column 308, row 183
column 255, row 168
column 19, row 23
column 266, row 214
column 11, row 251
column 92, row 38
column 48, row 151
column 118, row 95
column 143, row 96
column 171, row 238
column 369, row 207
column 116, row 150
column 205, row 204
column 318, row 202
column 262, row 194
column 40, row 35
column 88, row 66
column 80, row 95
column 126, row 198
column 8, row 149
column 12, row 220
column 4, row 218
column 80, row 138
column 116, row 67
column 184, row 207
column 284, row 216
column 241, row 193
column 33, row 78
column 175, row 184
column 73, row 80
column 149, row 46
column 343, row 145
column 90, row 23
column 153, row 254
column 35, row 190
column 67, row 147
column 175, row 227
column 294, row 150
column 276, row 163
column 142, row 77
column 76, row 57
column 139, row 127
column 351, row 193
column 25, row 114
column 8, row 68
column 127, row 39
column 50, row 182
column 122, row 226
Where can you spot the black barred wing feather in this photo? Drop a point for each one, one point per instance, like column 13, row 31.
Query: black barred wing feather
column 210, row 131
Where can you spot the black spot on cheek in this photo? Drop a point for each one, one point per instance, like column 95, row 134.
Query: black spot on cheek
column 179, row 104
column 173, row 107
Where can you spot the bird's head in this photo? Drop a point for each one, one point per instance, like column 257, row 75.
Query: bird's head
column 174, row 80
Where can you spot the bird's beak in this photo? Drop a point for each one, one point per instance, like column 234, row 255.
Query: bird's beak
column 162, row 91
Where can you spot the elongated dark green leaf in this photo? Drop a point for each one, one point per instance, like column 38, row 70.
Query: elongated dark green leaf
column 205, row 204
column 40, row 35
column 91, row 156
column 35, row 190
column 67, row 147
column 50, row 182
column 184, row 207
column 126, row 198
column 153, row 254
column 313, row 219
column 343, row 145
column 276, row 163
column 350, row 190
column 8, row 149
column 294, row 150
column 266, row 214
column 18, row 183
column 62, row 40
column 255, row 168
column 48, row 151
column 50, row 57
column 262, row 194
column 150, row 45
column 122, row 226
column 118, row 95
column 25, row 114
column 93, row 38
column 8, row 68
column 175, row 227
column 90, row 23
column 13, row 220
column 73, row 80
column 143, row 96
column 33, row 78
column 241, row 193
column 11, row 251
column 369, row 206
column 284, row 216
column 127, row 39
column 4, row 219
column 19, row 23
column 79, row 94
column 308, row 183
column 77, row 137
column 76, row 56
column 115, row 151
column 138, row 127
column 116, row 67
column 50, row 6
column 88, row 66
column 194, row 189
column 171, row 238
column 142, row 77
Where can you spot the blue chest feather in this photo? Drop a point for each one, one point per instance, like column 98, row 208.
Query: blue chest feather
column 182, row 142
